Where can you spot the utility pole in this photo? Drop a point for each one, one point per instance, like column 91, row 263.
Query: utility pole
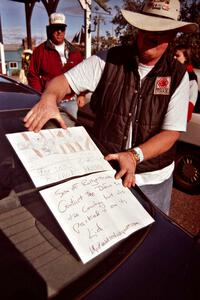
column 98, row 20
column 86, row 5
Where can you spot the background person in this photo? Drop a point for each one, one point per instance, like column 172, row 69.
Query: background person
column 26, row 57
column 140, row 97
column 54, row 57
column 184, row 56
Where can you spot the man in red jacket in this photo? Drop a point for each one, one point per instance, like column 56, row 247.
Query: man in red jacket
column 53, row 57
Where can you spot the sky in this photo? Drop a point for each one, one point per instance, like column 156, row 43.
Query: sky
column 14, row 24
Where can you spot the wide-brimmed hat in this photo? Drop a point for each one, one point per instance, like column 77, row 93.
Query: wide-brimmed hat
column 57, row 19
column 159, row 16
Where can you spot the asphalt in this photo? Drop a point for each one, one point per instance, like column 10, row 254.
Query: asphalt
column 185, row 211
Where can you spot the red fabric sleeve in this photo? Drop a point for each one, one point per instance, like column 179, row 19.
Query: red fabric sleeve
column 190, row 110
column 33, row 75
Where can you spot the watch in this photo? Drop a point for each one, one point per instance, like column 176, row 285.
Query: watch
column 137, row 154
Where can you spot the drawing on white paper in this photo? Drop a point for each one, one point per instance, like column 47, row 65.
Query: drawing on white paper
column 52, row 155
column 60, row 142
column 95, row 212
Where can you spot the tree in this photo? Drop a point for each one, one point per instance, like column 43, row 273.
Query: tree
column 123, row 27
column 104, row 5
column 190, row 12
column 103, row 42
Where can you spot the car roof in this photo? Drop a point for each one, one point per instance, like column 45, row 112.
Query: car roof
column 15, row 95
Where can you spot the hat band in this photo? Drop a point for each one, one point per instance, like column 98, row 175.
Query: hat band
column 158, row 16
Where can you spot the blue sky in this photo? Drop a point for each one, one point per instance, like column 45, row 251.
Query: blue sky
column 13, row 19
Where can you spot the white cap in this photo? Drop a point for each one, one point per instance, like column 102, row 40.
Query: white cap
column 28, row 51
column 57, row 19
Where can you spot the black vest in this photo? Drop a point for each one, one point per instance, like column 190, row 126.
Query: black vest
column 119, row 100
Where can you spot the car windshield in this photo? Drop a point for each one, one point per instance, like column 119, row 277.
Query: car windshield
column 12, row 175
column 14, row 95
column 13, row 87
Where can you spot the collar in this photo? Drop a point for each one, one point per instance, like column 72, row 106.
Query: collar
column 68, row 45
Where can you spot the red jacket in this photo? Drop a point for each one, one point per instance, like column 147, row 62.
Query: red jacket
column 45, row 64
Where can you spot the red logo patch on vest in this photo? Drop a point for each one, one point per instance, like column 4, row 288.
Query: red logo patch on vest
column 162, row 86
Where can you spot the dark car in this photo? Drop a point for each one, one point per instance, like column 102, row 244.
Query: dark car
column 37, row 261
column 14, row 95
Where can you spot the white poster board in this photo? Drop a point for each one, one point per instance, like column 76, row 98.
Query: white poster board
column 52, row 155
column 95, row 212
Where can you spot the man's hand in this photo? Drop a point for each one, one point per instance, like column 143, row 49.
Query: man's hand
column 42, row 112
column 127, row 167
column 47, row 108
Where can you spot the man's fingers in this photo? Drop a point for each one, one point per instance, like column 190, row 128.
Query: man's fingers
column 114, row 156
column 120, row 174
column 129, row 180
column 39, row 115
column 61, row 122
column 127, row 168
column 28, row 115
column 29, row 120
column 35, row 123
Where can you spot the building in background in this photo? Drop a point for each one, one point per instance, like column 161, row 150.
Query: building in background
column 13, row 59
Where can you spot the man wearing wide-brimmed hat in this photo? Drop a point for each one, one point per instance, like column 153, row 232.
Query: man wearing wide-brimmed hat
column 140, row 97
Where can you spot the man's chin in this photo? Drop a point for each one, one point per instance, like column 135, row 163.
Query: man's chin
column 148, row 57
column 58, row 41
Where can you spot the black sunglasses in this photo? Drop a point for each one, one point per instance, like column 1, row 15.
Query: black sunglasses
column 58, row 28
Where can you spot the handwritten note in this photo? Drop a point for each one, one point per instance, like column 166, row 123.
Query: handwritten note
column 56, row 154
column 95, row 212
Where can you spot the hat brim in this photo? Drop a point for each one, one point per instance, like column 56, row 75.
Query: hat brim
column 57, row 24
column 153, row 23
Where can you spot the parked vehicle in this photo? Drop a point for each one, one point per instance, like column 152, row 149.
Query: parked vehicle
column 37, row 261
column 187, row 166
column 14, row 95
